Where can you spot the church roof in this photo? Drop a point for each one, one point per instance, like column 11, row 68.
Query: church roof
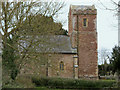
column 63, row 44
column 53, row 44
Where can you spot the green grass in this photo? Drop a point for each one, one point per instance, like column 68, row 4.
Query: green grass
column 45, row 88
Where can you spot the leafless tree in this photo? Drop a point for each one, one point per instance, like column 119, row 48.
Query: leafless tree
column 17, row 19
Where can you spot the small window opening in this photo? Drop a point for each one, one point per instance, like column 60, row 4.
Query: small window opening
column 61, row 65
column 85, row 22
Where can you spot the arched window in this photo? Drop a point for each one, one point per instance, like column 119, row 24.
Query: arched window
column 61, row 65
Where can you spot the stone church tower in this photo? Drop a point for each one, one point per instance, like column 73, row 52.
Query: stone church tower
column 83, row 35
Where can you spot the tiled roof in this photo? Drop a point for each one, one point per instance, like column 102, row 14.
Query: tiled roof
column 56, row 43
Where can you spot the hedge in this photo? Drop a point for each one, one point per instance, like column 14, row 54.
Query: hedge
column 65, row 83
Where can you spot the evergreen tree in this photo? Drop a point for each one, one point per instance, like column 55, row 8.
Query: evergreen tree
column 115, row 60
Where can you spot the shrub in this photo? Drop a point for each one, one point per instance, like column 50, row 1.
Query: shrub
column 24, row 81
column 14, row 73
column 64, row 83
column 21, row 81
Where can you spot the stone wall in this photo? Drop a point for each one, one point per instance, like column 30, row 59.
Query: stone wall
column 0, row 61
column 87, row 52
column 52, row 67
column 54, row 70
column 86, row 40
column 70, row 26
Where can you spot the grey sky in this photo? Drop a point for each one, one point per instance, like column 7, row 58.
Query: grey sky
column 107, row 24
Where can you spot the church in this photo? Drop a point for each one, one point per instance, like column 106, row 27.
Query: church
column 76, row 54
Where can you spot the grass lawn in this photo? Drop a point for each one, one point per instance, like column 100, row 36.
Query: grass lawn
column 45, row 88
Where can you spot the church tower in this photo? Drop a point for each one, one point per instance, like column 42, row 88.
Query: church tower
column 83, row 34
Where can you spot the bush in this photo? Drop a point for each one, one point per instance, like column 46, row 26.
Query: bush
column 65, row 83
column 21, row 81
column 14, row 73
column 24, row 81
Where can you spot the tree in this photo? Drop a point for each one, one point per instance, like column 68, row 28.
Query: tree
column 13, row 17
column 9, row 58
column 14, row 14
column 115, row 60
column 109, row 8
column 37, row 38
column 104, row 55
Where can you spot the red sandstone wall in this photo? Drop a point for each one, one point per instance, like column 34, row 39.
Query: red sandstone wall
column 91, row 23
column 88, row 47
column 87, row 54
column 70, row 22
column 87, row 43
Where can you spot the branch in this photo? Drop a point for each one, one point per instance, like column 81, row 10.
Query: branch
column 106, row 8
column 25, row 53
column 10, row 46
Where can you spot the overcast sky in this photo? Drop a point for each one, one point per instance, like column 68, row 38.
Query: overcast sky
column 107, row 24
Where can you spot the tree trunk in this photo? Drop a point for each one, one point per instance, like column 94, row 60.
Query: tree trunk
column 47, row 69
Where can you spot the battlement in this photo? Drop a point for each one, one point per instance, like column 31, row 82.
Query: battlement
column 83, row 10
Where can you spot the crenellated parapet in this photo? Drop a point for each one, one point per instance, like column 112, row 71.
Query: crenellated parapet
column 84, row 10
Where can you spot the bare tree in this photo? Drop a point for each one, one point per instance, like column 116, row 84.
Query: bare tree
column 109, row 8
column 104, row 55
column 14, row 16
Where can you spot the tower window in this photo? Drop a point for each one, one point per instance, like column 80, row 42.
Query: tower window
column 61, row 65
column 85, row 22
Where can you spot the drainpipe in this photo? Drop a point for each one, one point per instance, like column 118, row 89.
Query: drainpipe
column 78, row 43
